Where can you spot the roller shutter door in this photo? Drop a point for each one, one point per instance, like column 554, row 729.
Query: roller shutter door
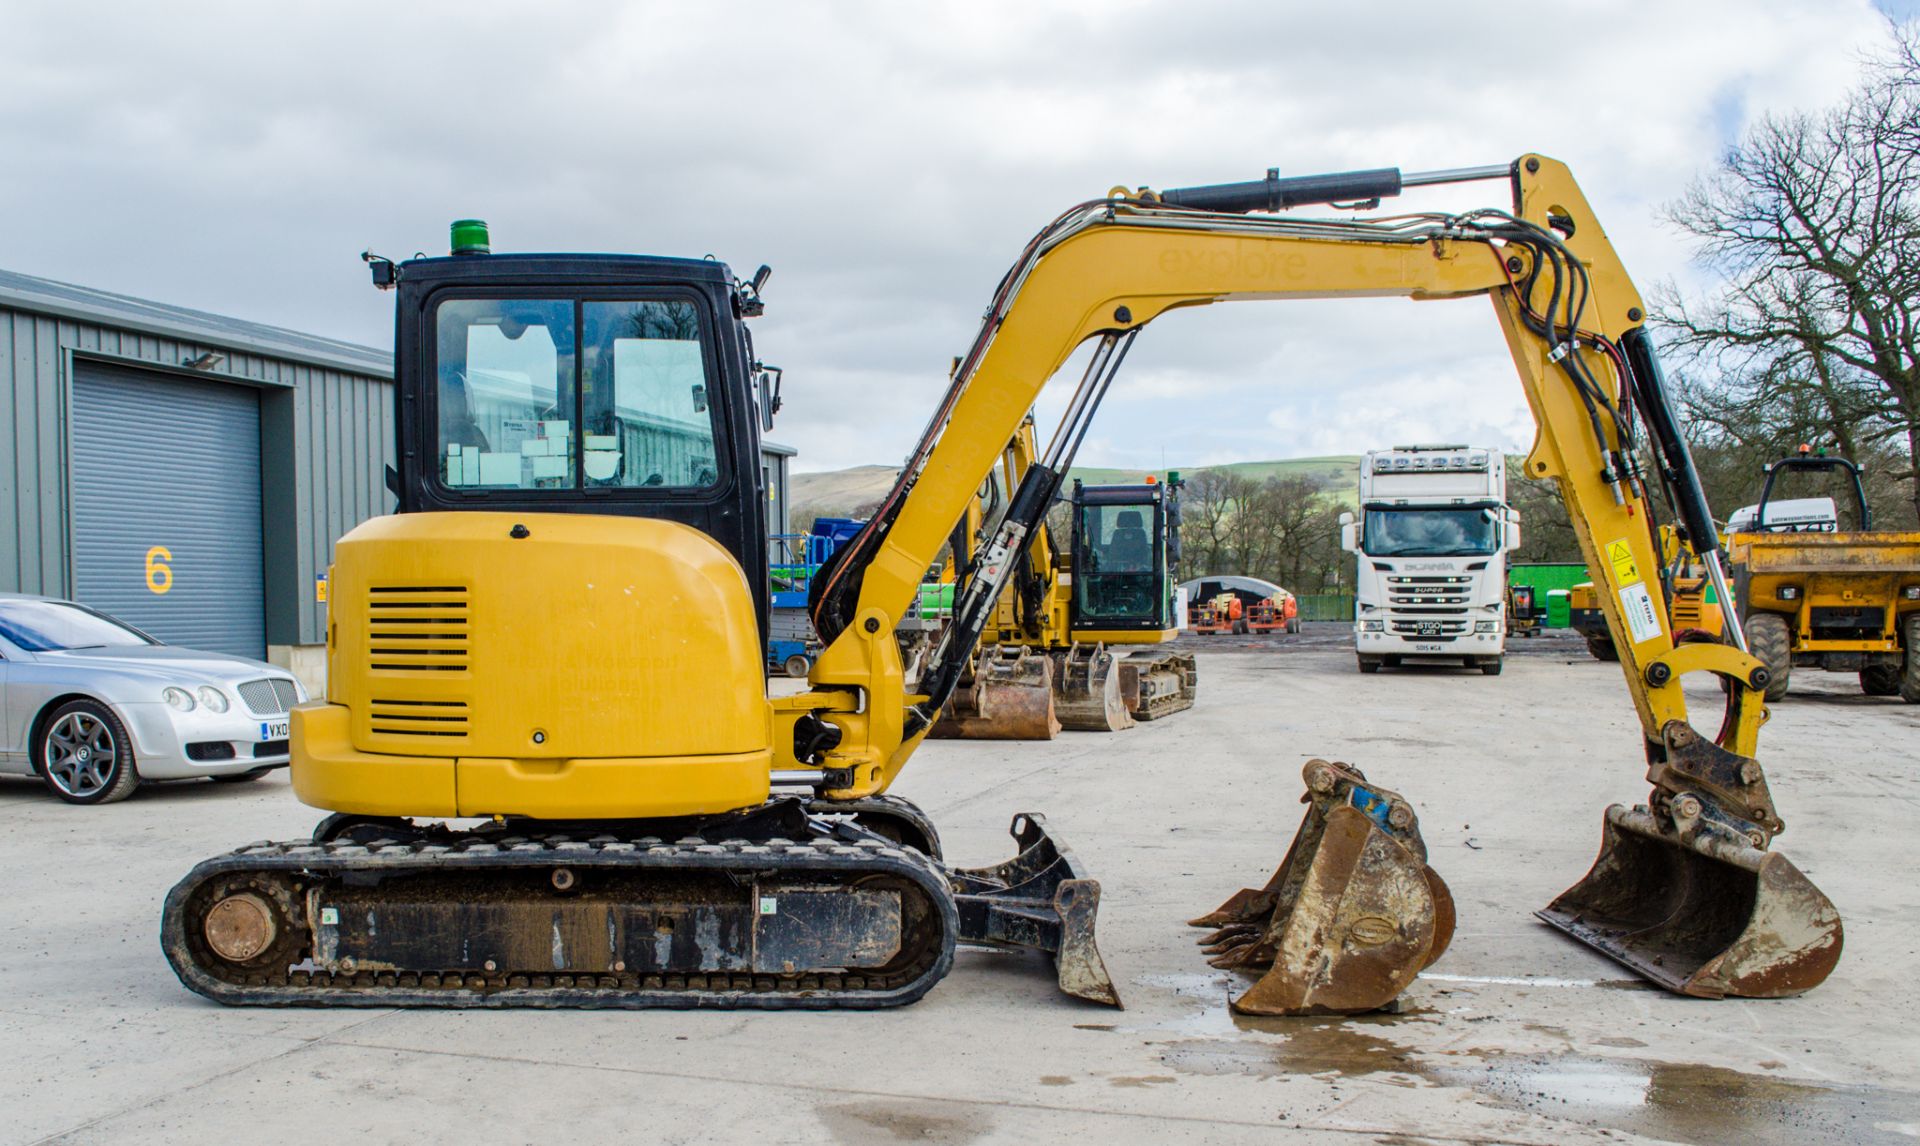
column 166, row 506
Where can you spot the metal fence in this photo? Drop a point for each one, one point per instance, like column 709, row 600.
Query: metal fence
column 1326, row 607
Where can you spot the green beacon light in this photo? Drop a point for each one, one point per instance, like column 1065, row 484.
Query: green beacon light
column 470, row 237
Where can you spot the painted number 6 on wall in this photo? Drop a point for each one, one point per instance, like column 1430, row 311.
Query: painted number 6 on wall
column 159, row 573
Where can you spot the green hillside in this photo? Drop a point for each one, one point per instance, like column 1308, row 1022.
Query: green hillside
column 843, row 492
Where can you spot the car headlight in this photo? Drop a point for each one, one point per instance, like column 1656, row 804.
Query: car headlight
column 178, row 699
column 213, row 698
column 1486, row 626
column 1373, row 626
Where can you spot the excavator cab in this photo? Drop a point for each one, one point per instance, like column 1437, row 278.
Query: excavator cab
column 1120, row 578
column 616, row 385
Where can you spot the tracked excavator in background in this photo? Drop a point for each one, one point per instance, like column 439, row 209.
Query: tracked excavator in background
column 562, row 632
column 1070, row 641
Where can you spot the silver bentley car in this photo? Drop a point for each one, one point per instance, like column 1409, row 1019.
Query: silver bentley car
column 94, row 706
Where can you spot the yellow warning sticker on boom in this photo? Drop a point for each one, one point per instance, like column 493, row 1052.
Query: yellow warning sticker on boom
column 1620, row 556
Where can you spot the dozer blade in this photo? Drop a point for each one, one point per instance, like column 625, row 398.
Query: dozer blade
column 1086, row 690
column 1041, row 899
column 1155, row 685
column 1350, row 916
column 1007, row 695
column 1700, row 910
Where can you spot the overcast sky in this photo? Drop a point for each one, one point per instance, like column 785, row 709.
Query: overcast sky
column 888, row 160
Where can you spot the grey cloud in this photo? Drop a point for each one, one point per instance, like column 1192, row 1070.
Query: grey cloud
column 887, row 159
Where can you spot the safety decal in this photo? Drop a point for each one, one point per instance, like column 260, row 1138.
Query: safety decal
column 1620, row 556
column 1642, row 621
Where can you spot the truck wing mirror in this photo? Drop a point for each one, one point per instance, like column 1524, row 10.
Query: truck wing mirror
column 1349, row 534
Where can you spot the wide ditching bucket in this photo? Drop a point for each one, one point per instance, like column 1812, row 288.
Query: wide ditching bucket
column 1006, row 694
column 1693, row 905
column 1351, row 915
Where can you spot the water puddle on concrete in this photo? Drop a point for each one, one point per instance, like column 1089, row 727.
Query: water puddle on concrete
column 1674, row 1101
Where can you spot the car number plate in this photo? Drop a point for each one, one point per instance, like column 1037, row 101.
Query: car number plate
column 278, row 730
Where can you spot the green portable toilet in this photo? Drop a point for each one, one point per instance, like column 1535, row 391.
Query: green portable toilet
column 1559, row 610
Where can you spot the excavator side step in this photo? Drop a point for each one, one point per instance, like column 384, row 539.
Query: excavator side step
column 1350, row 916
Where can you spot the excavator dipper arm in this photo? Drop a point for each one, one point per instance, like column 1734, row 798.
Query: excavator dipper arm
column 1575, row 326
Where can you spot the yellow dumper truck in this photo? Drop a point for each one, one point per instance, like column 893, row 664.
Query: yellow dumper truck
column 1814, row 595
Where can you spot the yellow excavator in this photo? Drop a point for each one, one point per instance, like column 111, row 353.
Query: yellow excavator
column 1070, row 642
column 561, row 634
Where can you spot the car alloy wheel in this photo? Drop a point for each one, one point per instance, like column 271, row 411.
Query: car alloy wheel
column 84, row 756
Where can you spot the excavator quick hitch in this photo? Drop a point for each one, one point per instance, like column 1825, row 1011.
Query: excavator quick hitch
column 1005, row 693
column 1350, row 917
column 1686, row 893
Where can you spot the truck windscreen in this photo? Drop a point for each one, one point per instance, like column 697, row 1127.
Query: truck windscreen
column 1467, row 531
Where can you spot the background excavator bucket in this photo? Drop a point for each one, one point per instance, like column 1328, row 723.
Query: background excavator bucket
column 1086, row 690
column 1007, row 695
column 1701, row 911
column 1351, row 915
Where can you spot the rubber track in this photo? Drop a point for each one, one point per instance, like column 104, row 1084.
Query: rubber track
column 308, row 862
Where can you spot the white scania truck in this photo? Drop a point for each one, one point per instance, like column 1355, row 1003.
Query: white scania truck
column 1431, row 542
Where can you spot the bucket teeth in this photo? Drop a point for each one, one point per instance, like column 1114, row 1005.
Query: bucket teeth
column 1351, row 915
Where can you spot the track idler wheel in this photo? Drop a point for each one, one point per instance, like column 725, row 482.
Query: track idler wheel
column 1351, row 915
column 1006, row 695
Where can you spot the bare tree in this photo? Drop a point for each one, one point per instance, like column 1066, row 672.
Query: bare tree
column 1812, row 222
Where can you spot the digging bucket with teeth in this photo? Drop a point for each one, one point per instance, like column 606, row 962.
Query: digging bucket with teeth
column 1351, row 915
column 1086, row 690
column 1686, row 893
column 1007, row 694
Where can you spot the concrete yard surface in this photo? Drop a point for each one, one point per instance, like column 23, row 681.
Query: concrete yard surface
column 1517, row 1035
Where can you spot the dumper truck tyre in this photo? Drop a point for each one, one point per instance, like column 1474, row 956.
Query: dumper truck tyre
column 1910, row 673
column 1767, row 639
column 1881, row 680
column 1369, row 664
